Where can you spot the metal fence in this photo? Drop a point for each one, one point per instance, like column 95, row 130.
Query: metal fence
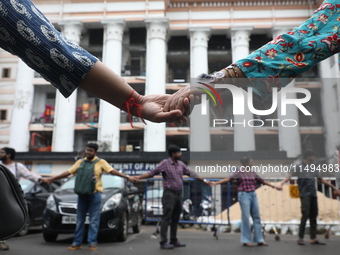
column 201, row 203
column 219, row 206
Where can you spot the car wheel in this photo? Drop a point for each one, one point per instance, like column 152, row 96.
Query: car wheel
column 26, row 228
column 136, row 228
column 50, row 237
column 124, row 227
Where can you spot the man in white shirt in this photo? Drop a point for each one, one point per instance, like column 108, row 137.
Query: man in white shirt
column 7, row 156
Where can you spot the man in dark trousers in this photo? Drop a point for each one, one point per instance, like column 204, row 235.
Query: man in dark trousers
column 172, row 170
column 308, row 195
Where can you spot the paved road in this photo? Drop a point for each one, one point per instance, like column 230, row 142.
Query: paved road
column 198, row 242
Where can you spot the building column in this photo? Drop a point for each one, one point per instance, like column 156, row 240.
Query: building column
column 329, row 103
column 289, row 137
column 22, row 110
column 156, row 47
column 65, row 109
column 200, row 139
column 109, row 116
column 244, row 136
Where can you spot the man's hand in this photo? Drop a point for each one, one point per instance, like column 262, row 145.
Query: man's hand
column 133, row 179
column 212, row 184
column 45, row 180
column 336, row 192
column 278, row 187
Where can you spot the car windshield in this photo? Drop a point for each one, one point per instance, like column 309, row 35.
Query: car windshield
column 154, row 193
column 112, row 182
column 109, row 182
column 26, row 184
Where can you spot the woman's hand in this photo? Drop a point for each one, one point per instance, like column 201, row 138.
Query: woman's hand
column 183, row 100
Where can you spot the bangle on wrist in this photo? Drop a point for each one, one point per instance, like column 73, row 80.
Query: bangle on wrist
column 235, row 71
column 229, row 74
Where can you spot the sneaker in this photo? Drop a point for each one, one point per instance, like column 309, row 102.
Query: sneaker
column 74, row 247
column 93, row 247
column 3, row 246
column 167, row 246
column 178, row 244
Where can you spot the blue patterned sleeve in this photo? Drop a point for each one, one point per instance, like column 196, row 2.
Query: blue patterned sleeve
column 27, row 33
column 281, row 60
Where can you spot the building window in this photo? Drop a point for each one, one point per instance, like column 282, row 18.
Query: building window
column 131, row 141
column 41, row 141
column 3, row 115
column 267, row 142
column 6, row 73
column 96, row 37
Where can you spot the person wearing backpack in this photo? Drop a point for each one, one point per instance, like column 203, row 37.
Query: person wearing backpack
column 88, row 186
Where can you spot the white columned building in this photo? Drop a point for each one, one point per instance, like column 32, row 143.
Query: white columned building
column 65, row 109
column 109, row 116
column 244, row 137
column 199, row 123
column 289, row 137
column 24, row 90
column 156, row 47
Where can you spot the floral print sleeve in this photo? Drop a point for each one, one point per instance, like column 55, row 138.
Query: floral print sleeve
column 27, row 33
column 288, row 55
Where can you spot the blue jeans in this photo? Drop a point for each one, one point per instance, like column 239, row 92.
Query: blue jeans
column 88, row 204
column 250, row 207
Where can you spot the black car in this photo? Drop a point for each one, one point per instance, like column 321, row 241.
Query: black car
column 121, row 208
column 36, row 195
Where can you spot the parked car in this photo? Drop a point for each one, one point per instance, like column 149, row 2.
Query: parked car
column 36, row 195
column 121, row 208
column 152, row 204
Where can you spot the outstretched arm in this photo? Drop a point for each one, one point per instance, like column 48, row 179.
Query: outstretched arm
column 102, row 82
column 278, row 187
column 222, row 181
column 279, row 61
column 336, row 190
column 130, row 178
column 62, row 175
column 286, row 180
column 28, row 34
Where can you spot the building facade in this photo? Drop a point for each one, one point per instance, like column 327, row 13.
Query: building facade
column 158, row 47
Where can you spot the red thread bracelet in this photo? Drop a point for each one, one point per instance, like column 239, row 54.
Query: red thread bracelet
column 129, row 104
